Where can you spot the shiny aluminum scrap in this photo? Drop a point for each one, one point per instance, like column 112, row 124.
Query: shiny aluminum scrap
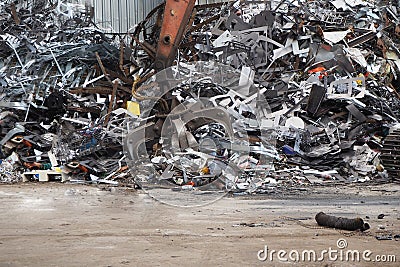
column 328, row 71
column 210, row 138
column 55, row 50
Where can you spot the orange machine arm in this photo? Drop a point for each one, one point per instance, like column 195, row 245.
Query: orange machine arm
column 176, row 16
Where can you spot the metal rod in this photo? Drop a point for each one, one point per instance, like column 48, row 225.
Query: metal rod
column 58, row 66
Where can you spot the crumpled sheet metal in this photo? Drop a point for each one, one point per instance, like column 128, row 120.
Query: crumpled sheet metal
column 296, row 53
column 206, row 138
column 344, row 52
column 46, row 47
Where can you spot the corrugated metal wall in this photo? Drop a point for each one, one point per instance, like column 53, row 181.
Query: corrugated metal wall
column 120, row 15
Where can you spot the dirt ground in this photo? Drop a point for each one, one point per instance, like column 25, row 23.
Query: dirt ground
column 76, row 225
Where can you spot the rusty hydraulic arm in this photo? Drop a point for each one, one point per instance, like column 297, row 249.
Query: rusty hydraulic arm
column 176, row 16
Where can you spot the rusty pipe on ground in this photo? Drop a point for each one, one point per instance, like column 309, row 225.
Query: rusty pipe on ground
column 341, row 223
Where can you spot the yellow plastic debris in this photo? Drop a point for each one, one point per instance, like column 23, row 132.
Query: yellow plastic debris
column 133, row 107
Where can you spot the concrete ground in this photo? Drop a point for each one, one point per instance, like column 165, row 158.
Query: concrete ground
column 54, row 224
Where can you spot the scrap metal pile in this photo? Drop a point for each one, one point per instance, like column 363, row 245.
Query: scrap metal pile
column 55, row 110
column 327, row 75
column 263, row 94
